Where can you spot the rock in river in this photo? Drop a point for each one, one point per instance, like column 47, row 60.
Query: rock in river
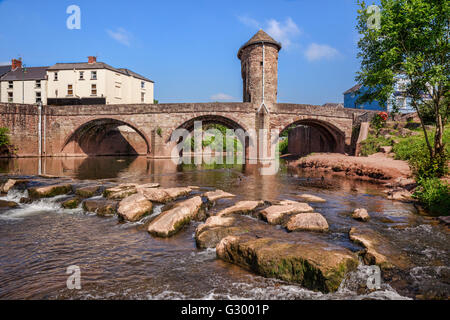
column 361, row 214
column 101, row 207
column 217, row 194
column 5, row 187
column 277, row 213
column 49, row 191
column 311, row 198
column 87, row 192
column 171, row 221
column 134, row 207
column 164, row 195
column 313, row 265
column 121, row 191
column 71, row 203
column 310, row 221
column 242, row 207
column 8, row 204
column 209, row 234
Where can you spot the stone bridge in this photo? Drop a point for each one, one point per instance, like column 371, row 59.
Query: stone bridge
column 146, row 129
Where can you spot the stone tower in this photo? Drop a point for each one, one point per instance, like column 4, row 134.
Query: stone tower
column 259, row 61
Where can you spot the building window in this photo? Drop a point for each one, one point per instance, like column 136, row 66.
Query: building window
column 93, row 89
column 10, row 84
column 70, row 90
column 142, row 85
column 38, row 97
column 81, row 75
column 10, row 97
column 38, row 84
column 55, row 76
column 93, row 75
column 142, row 97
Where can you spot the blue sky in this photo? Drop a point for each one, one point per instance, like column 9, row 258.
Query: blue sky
column 189, row 48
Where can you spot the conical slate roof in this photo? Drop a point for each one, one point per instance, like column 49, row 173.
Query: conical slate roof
column 259, row 37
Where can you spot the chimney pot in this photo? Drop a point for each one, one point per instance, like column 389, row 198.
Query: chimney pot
column 92, row 59
column 16, row 63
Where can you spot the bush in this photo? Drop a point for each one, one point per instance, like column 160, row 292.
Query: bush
column 4, row 138
column 283, row 146
column 372, row 144
column 434, row 195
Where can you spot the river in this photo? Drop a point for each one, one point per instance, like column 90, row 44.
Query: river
column 39, row 241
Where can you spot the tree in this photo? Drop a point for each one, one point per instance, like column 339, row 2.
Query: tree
column 410, row 38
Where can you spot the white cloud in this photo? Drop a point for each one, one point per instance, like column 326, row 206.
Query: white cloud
column 283, row 32
column 7, row 63
column 121, row 35
column 221, row 97
column 317, row 51
column 249, row 22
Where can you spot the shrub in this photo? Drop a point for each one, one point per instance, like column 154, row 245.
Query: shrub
column 434, row 195
column 4, row 138
column 372, row 144
column 378, row 121
column 283, row 146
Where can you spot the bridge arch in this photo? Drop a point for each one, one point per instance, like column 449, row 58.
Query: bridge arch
column 314, row 135
column 107, row 136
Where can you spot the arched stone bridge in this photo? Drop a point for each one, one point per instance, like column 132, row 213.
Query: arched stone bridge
column 146, row 129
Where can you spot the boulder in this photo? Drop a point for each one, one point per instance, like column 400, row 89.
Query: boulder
column 444, row 219
column 164, row 195
column 378, row 250
column 8, row 204
column 310, row 221
column 87, row 192
column 121, row 191
column 310, row 198
column 209, row 234
column 361, row 214
column 49, row 191
column 134, row 207
column 8, row 185
column 242, row 207
column 217, row 194
column 101, row 207
column 72, row 203
column 147, row 186
column 314, row 266
column 401, row 195
column 171, row 221
column 276, row 214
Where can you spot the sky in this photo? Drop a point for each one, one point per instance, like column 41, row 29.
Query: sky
column 189, row 48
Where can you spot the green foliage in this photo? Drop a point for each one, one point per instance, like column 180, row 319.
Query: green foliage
column 228, row 143
column 412, row 41
column 372, row 145
column 159, row 132
column 413, row 149
column 155, row 101
column 434, row 195
column 4, row 138
column 377, row 123
column 283, row 146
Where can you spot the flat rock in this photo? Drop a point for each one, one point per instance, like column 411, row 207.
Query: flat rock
column 444, row 220
column 242, row 207
column 101, row 207
column 311, row 198
column 121, row 191
column 277, row 213
column 310, row 221
column 314, row 266
column 49, row 191
column 217, row 194
column 147, row 186
column 361, row 214
column 134, row 207
column 87, row 192
column 401, row 195
column 164, row 195
column 8, row 204
column 8, row 185
column 209, row 234
column 72, row 203
column 171, row 221
column 378, row 250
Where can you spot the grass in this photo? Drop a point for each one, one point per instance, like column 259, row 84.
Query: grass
column 372, row 144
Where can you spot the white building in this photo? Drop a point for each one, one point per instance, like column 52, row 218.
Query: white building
column 24, row 85
column 96, row 83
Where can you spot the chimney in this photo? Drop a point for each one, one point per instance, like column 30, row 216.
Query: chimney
column 92, row 59
column 16, row 63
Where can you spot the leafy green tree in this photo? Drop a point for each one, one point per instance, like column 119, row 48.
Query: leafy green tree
column 411, row 40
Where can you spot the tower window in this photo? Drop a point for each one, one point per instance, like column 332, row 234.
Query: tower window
column 10, row 97
column 70, row 90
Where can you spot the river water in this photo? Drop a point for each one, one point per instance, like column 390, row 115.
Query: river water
column 39, row 241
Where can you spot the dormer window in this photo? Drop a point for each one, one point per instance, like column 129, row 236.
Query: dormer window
column 55, row 76
column 38, row 84
column 81, row 75
column 10, row 84
column 93, row 75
